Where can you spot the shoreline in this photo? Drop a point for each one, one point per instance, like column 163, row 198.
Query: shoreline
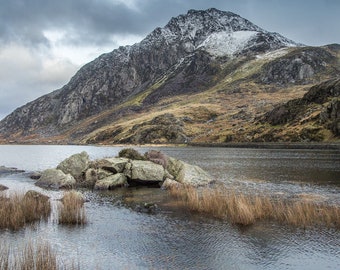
column 274, row 145
column 252, row 145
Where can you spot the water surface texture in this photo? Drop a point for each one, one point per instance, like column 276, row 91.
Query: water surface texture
column 118, row 237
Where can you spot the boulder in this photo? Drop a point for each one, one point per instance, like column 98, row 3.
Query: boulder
column 193, row 175
column 111, row 182
column 93, row 175
column 174, row 166
column 35, row 175
column 54, row 178
column 114, row 165
column 75, row 165
column 144, row 171
column 169, row 183
column 188, row 174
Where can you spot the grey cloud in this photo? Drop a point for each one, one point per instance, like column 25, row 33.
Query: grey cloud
column 25, row 21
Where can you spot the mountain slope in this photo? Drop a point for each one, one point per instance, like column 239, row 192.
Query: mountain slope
column 200, row 75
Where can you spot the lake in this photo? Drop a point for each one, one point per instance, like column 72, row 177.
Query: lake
column 118, row 237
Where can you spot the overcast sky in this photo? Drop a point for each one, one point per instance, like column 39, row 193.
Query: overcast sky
column 44, row 42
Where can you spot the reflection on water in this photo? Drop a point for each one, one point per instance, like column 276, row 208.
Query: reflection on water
column 117, row 237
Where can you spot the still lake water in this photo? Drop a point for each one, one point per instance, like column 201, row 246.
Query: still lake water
column 117, row 237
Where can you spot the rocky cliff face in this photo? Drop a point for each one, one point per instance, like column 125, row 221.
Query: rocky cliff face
column 200, row 51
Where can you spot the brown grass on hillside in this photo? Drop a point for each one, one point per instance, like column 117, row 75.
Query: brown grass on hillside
column 246, row 209
column 71, row 210
column 17, row 209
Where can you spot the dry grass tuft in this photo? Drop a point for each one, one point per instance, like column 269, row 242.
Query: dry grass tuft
column 245, row 209
column 17, row 209
column 37, row 255
column 71, row 210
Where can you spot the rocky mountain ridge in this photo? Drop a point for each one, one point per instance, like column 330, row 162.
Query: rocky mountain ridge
column 202, row 57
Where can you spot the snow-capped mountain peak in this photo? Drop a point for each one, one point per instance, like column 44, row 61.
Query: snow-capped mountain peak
column 218, row 32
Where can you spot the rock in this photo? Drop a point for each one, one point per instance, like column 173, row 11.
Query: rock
column 2, row 187
column 4, row 169
column 35, row 175
column 149, row 208
column 93, row 175
column 188, row 174
column 157, row 157
column 75, row 165
column 54, row 178
column 169, row 183
column 113, row 181
column 144, row 171
column 114, row 165
column 193, row 175
column 174, row 166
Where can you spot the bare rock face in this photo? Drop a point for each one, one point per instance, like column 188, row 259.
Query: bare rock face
column 299, row 66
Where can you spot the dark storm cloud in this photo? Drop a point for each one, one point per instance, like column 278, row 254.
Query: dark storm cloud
column 90, row 21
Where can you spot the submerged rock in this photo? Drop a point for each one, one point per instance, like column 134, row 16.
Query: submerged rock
column 4, row 169
column 56, row 179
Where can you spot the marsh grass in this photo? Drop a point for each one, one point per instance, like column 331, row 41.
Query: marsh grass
column 18, row 209
column 34, row 255
column 71, row 209
column 246, row 209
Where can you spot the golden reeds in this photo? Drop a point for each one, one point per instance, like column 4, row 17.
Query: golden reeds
column 71, row 210
column 17, row 209
column 37, row 255
column 246, row 209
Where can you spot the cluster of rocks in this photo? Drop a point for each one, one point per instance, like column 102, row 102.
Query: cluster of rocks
column 154, row 168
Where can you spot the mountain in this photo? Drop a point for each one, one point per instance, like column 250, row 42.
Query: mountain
column 206, row 76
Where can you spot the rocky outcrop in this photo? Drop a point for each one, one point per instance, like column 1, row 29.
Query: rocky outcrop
column 308, row 118
column 55, row 179
column 299, row 66
column 110, row 173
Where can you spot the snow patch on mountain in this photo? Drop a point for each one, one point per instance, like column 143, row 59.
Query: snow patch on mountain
column 227, row 43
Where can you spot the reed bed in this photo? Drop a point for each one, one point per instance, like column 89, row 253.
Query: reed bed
column 37, row 255
column 18, row 209
column 71, row 209
column 246, row 209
